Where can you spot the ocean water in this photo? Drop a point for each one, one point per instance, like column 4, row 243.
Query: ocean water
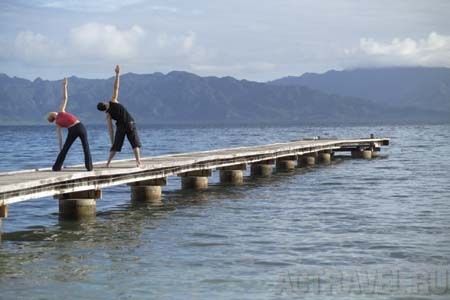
column 356, row 229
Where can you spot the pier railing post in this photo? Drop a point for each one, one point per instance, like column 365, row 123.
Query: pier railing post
column 286, row 163
column 232, row 174
column 78, row 205
column 262, row 168
column 147, row 190
column 197, row 180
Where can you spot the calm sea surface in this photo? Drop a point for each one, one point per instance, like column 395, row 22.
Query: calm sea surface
column 357, row 229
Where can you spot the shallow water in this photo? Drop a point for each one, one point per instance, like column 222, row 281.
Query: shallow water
column 377, row 229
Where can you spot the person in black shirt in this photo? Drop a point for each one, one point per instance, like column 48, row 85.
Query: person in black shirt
column 124, row 124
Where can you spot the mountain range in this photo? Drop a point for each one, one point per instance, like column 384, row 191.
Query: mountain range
column 422, row 88
column 394, row 95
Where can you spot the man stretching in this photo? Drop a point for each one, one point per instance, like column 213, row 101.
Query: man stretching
column 124, row 124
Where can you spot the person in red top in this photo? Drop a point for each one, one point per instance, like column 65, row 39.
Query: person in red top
column 75, row 130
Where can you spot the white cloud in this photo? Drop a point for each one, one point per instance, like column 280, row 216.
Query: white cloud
column 182, row 47
column 431, row 51
column 104, row 41
column 91, row 42
column 103, row 44
column 35, row 47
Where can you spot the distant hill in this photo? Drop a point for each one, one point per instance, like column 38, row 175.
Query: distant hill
column 181, row 97
column 421, row 88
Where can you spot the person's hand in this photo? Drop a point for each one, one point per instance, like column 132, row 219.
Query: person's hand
column 65, row 81
column 117, row 69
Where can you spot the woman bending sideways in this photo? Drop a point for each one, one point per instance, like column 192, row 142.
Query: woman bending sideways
column 75, row 130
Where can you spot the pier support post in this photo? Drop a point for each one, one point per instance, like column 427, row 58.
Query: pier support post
column 366, row 154
column 325, row 157
column 232, row 174
column 356, row 153
column 196, row 180
column 286, row 163
column 308, row 159
column 147, row 190
column 262, row 168
column 78, row 205
column 3, row 214
column 362, row 153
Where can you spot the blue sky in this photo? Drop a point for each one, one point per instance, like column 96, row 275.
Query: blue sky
column 256, row 40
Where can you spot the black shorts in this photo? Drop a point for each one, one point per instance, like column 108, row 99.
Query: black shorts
column 130, row 131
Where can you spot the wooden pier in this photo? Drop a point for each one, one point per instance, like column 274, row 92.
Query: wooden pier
column 78, row 189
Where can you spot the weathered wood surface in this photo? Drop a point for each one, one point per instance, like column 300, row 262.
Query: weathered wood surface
column 31, row 184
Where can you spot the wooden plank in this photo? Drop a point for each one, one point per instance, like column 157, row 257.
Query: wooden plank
column 199, row 173
column 292, row 157
column 239, row 167
column 150, row 182
column 265, row 162
column 91, row 194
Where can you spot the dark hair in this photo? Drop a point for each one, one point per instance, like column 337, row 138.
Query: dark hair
column 101, row 106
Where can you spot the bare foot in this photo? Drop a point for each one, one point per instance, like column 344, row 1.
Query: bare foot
column 107, row 166
column 138, row 164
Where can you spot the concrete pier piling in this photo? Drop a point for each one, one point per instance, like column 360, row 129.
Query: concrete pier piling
column 232, row 174
column 356, row 153
column 366, row 154
column 286, row 163
column 309, row 159
column 325, row 157
column 147, row 190
column 262, row 168
column 78, row 205
column 362, row 153
column 196, row 180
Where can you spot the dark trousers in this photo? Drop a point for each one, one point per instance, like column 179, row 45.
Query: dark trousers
column 74, row 132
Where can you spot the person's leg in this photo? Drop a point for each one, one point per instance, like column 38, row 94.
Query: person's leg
column 117, row 146
column 71, row 136
column 111, row 155
column 133, row 138
column 87, row 152
column 137, row 155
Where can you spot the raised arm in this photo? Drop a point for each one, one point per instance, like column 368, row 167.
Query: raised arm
column 62, row 108
column 116, row 85
column 58, row 132
column 110, row 128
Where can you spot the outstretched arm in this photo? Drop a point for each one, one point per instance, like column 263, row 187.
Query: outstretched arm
column 110, row 128
column 58, row 132
column 62, row 108
column 116, row 85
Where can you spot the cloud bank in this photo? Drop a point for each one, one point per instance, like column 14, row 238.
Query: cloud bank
column 431, row 51
column 97, row 43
